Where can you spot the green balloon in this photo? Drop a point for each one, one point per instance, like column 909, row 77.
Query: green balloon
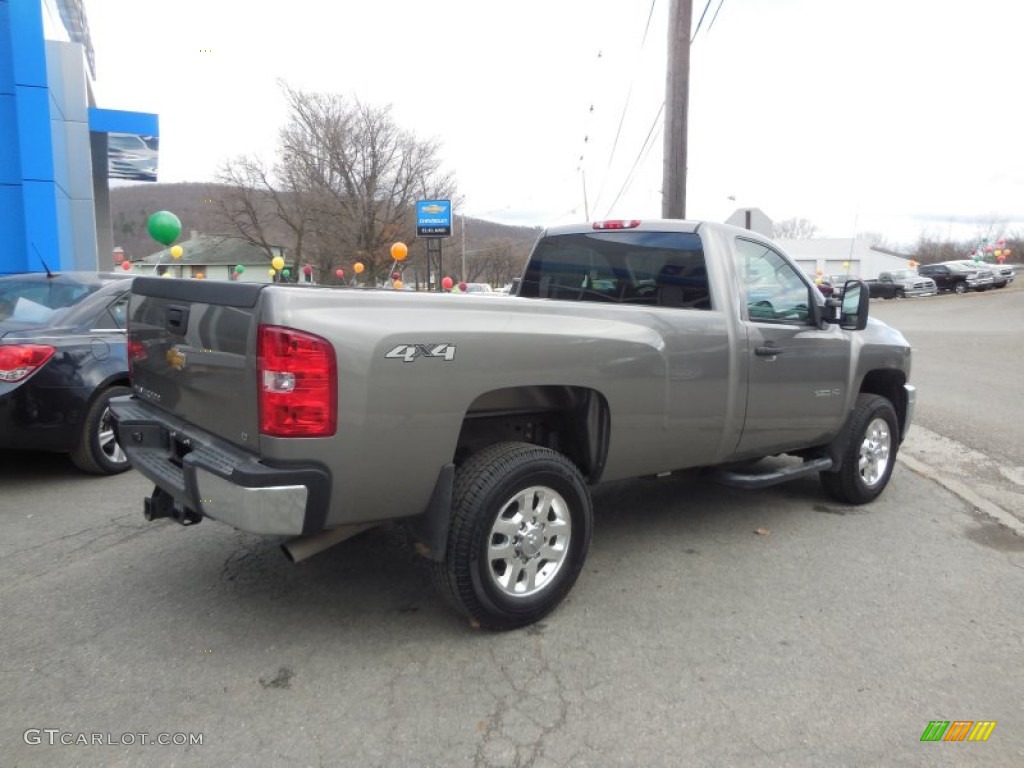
column 239, row 269
column 164, row 227
column 286, row 272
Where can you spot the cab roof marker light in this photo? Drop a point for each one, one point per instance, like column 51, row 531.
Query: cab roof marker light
column 617, row 224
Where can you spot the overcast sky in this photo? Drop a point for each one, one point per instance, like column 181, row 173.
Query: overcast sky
column 890, row 116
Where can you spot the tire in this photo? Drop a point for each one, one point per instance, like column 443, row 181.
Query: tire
column 960, row 287
column 97, row 451
column 867, row 452
column 900, row 293
column 520, row 530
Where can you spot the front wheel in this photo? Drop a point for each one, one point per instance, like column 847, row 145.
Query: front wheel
column 520, row 531
column 98, row 451
column 960, row 288
column 867, row 452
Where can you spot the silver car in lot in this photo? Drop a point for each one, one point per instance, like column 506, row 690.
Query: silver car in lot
column 1002, row 274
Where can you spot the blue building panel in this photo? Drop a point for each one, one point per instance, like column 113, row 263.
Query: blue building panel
column 10, row 163
column 12, row 230
column 36, row 152
column 41, row 225
column 6, row 51
column 119, row 121
column 27, row 45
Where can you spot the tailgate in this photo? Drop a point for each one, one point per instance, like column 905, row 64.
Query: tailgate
column 192, row 347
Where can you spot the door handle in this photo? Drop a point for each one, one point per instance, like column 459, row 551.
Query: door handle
column 767, row 351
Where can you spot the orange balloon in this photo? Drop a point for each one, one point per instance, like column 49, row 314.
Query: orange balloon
column 358, row 267
column 398, row 284
column 199, row 275
column 399, row 251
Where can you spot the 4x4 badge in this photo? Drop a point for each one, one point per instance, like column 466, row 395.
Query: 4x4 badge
column 409, row 352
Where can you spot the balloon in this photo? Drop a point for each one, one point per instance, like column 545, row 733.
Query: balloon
column 339, row 272
column 199, row 275
column 164, row 227
column 399, row 251
column 1000, row 242
column 462, row 287
column 286, row 272
column 176, row 251
column 399, row 285
column 358, row 267
column 126, row 265
column 307, row 270
column 271, row 272
column 998, row 252
column 821, row 271
column 118, row 258
column 447, row 283
column 166, row 274
column 846, row 265
column 396, row 276
column 277, row 262
column 239, row 269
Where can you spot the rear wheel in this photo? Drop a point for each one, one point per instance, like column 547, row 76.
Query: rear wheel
column 867, row 453
column 960, row 288
column 98, row 451
column 520, row 531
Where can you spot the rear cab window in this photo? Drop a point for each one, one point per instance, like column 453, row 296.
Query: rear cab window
column 664, row 269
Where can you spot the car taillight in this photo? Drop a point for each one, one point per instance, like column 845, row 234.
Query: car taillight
column 136, row 351
column 298, row 383
column 617, row 224
column 19, row 361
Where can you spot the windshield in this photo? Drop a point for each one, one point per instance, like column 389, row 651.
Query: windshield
column 903, row 274
column 37, row 302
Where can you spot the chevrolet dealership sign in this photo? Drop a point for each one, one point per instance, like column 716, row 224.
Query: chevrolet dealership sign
column 434, row 218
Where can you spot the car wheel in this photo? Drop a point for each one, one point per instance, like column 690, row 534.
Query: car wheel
column 960, row 288
column 867, row 452
column 520, row 531
column 900, row 293
column 98, row 451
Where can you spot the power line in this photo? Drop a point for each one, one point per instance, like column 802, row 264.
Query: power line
column 720, row 3
column 643, row 149
column 701, row 20
column 625, row 108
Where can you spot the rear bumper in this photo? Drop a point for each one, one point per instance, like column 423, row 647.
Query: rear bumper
column 214, row 478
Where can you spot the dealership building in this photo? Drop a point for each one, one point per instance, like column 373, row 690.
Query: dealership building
column 58, row 149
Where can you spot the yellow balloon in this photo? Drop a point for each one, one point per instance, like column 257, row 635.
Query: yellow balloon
column 271, row 272
column 399, row 251
column 176, row 251
column 277, row 262
column 998, row 252
column 358, row 267
column 399, row 285
column 199, row 275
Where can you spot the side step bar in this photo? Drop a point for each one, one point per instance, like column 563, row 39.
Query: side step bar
column 764, row 479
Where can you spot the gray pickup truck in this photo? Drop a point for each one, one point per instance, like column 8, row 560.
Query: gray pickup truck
column 631, row 348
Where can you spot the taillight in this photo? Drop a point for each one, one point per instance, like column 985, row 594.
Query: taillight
column 617, row 224
column 136, row 351
column 298, row 384
column 19, row 361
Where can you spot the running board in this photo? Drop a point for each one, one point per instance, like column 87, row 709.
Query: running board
column 764, row 479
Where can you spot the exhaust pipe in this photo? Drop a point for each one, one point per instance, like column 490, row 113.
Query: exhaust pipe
column 301, row 547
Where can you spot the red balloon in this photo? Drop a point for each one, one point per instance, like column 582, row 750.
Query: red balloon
column 339, row 272
column 126, row 265
column 447, row 283
column 307, row 270
column 396, row 276
column 462, row 287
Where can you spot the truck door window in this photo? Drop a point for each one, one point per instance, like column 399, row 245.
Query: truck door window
column 775, row 292
column 653, row 268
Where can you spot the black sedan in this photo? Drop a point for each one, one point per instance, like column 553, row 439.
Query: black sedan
column 63, row 356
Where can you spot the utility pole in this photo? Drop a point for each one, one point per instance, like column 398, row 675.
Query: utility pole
column 677, row 99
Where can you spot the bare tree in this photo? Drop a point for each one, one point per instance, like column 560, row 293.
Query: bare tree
column 344, row 185
column 794, row 229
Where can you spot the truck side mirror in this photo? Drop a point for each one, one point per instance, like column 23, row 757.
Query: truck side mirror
column 853, row 314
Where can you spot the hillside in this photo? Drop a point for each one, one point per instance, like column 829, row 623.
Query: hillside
column 195, row 205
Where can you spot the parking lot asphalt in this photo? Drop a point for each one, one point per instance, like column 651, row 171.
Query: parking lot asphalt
column 710, row 626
